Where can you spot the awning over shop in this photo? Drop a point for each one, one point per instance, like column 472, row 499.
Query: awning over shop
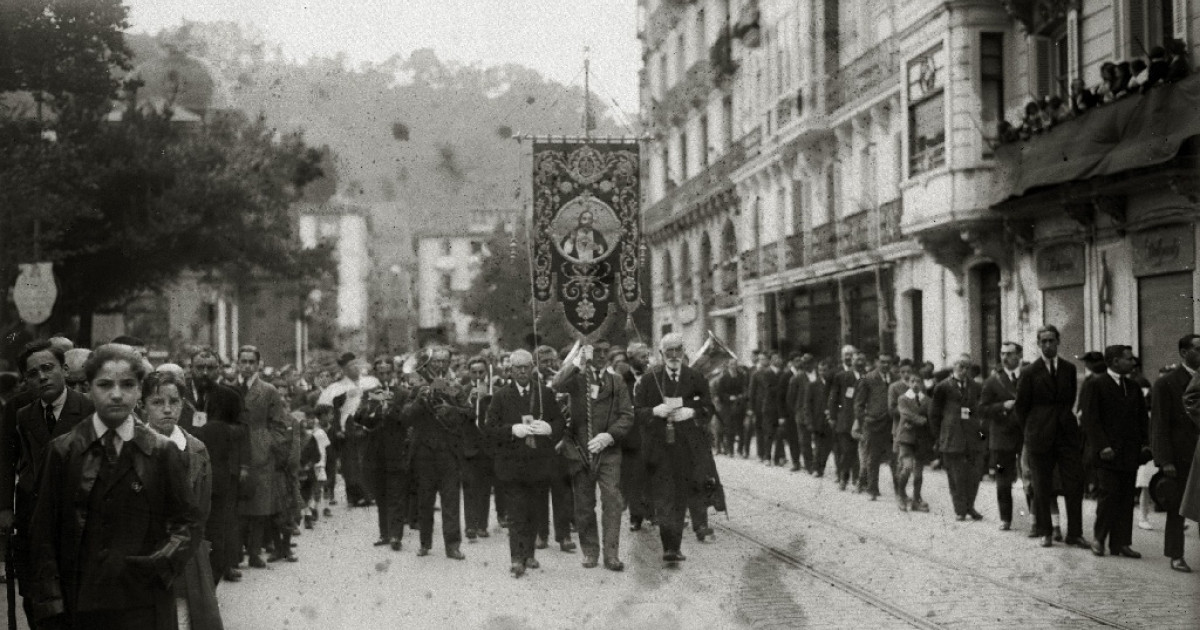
column 1134, row 132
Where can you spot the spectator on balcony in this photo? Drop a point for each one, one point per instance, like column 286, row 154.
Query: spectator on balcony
column 1178, row 67
column 1159, row 67
column 1032, row 123
column 1141, row 75
column 1082, row 99
column 1108, row 78
column 1124, row 74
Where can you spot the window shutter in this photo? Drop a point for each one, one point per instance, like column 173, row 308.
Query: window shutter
column 1072, row 47
column 1179, row 18
column 1041, row 66
column 1138, row 45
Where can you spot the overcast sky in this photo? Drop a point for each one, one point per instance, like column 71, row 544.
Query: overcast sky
column 547, row 35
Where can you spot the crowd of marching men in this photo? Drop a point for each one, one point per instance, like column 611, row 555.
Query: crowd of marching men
column 131, row 491
column 1104, row 433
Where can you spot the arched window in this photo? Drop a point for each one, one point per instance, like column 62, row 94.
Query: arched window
column 707, row 269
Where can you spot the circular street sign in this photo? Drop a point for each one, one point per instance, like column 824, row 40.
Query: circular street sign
column 35, row 292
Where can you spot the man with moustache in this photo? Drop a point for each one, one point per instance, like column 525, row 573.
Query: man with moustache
column 676, row 402
column 998, row 402
column 113, row 525
column 601, row 414
column 216, row 421
column 523, row 422
column 54, row 412
column 76, row 359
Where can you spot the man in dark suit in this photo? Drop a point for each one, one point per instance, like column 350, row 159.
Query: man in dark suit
column 1045, row 399
column 384, row 470
column 732, row 402
column 1113, row 416
column 265, row 449
column 797, row 437
column 524, row 422
column 478, row 469
column 54, row 412
column 815, row 408
column 558, row 503
column 676, row 402
column 874, row 421
column 111, row 489
column 216, row 421
column 954, row 420
column 438, row 414
column 1173, row 438
column 998, row 403
column 601, row 414
column 841, row 415
column 767, row 390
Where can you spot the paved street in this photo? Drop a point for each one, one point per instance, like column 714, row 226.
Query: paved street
column 795, row 553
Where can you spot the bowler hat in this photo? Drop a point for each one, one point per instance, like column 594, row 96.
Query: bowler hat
column 1164, row 491
column 345, row 359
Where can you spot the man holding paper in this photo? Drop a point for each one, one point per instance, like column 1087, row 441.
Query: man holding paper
column 676, row 402
column 524, row 423
column 601, row 414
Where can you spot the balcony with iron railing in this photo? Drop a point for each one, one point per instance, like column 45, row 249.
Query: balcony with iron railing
column 890, row 215
column 854, row 233
column 769, row 259
column 824, row 243
column 866, row 73
column 696, row 188
column 794, row 252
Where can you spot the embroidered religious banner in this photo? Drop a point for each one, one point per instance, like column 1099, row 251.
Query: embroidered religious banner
column 586, row 202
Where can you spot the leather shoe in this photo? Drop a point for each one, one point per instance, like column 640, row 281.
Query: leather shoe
column 1058, row 537
column 1127, row 552
column 395, row 543
column 673, row 556
column 1098, row 548
column 233, row 575
column 1078, row 541
column 518, row 569
column 1178, row 564
column 380, row 543
column 567, row 545
column 960, row 517
column 1033, row 532
column 422, row 552
column 1047, row 541
column 703, row 533
column 454, row 553
column 975, row 516
column 532, row 563
column 590, row 562
column 257, row 563
column 541, row 543
column 470, row 534
column 483, row 533
column 1005, row 526
column 614, row 565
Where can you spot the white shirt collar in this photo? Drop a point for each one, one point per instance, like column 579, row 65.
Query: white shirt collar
column 1051, row 362
column 1190, row 371
column 57, row 405
column 1114, row 376
column 248, row 383
column 521, row 389
column 178, row 438
column 124, row 430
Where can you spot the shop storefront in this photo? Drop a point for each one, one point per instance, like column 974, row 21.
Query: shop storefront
column 1061, row 273
column 1164, row 261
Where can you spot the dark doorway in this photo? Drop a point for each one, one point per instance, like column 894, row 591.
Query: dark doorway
column 990, row 328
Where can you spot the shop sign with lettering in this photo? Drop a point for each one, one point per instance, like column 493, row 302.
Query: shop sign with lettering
column 1060, row 266
column 1169, row 249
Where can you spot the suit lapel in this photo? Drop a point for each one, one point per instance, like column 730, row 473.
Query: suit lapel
column 35, row 427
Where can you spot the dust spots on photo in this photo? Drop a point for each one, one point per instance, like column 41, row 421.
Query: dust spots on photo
column 506, row 622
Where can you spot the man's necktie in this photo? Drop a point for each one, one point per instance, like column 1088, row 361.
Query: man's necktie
column 50, row 419
column 110, row 446
column 1053, row 372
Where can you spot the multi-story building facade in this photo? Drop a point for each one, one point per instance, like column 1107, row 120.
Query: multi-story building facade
column 824, row 172
column 448, row 260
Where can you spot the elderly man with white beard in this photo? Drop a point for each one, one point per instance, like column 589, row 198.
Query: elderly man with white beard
column 675, row 403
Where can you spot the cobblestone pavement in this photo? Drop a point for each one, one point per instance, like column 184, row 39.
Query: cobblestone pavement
column 794, row 553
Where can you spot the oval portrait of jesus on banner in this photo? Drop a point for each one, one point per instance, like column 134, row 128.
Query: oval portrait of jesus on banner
column 586, row 230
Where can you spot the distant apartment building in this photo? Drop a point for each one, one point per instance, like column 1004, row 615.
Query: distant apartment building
column 447, row 261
